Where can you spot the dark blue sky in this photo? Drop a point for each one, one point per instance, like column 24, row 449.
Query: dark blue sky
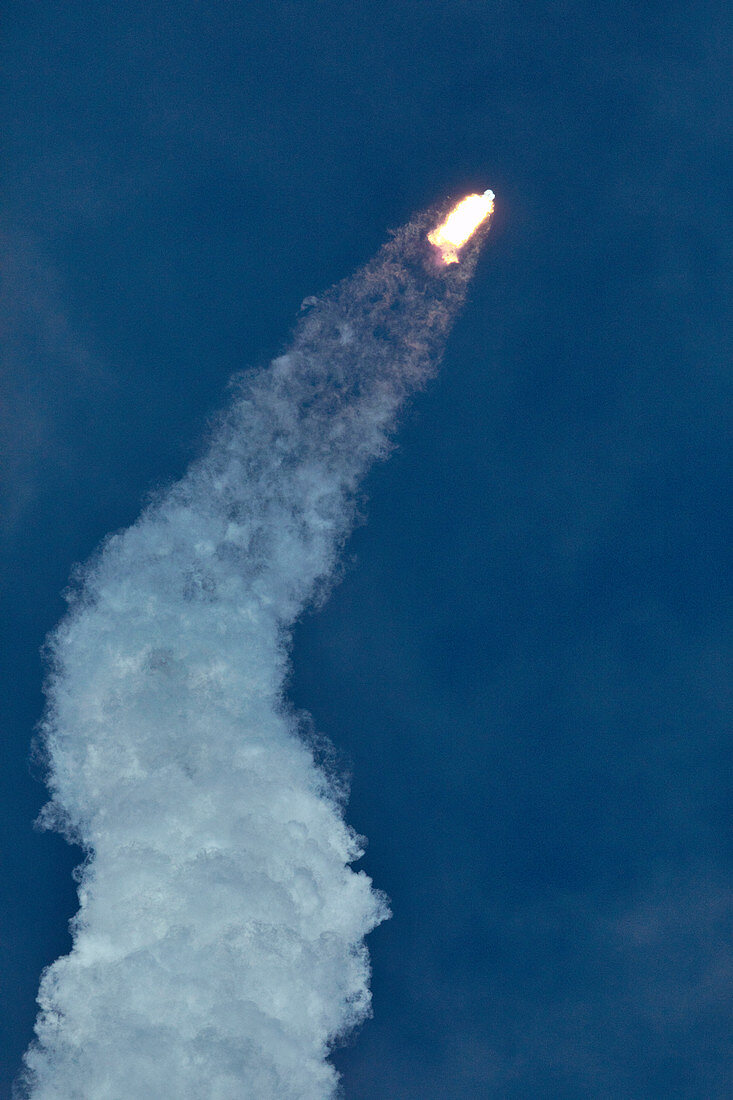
column 526, row 664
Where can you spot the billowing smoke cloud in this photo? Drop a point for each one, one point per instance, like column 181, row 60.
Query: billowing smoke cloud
column 219, row 945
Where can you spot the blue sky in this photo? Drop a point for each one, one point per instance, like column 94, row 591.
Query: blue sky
column 525, row 663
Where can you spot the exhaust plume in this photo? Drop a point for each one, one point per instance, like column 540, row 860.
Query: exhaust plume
column 460, row 225
column 219, row 945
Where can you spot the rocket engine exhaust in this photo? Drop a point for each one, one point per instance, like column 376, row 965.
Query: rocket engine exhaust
column 460, row 225
column 218, row 949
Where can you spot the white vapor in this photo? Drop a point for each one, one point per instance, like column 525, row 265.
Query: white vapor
column 219, row 945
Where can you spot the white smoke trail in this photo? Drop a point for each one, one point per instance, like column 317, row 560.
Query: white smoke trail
column 218, row 949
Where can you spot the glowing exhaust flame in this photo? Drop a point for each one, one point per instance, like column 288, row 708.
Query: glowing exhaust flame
column 460, row 225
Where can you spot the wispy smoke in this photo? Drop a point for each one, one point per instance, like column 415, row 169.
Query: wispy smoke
column 219, row 945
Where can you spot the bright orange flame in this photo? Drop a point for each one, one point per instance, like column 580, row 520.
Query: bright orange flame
column 462, row 222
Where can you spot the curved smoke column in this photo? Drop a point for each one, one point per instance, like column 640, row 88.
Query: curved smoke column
column 218, row 949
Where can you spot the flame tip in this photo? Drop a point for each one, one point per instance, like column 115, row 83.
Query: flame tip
column 460, row 224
